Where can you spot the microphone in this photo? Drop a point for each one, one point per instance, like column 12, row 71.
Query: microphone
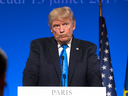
column 62, row 58
column 64, row 76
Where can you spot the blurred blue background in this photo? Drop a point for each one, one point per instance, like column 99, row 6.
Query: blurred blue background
column 22, row 21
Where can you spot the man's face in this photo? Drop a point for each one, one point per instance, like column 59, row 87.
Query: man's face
column 62, row 30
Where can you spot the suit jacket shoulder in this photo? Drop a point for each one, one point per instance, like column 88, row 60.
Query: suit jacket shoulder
column 42, row 41
column 86, row 45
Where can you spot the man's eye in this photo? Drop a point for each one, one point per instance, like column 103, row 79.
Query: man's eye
column 56, row 26
column 65, row 23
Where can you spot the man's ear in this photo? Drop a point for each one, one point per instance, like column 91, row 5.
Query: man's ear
column 50, row 28
column 74, row 26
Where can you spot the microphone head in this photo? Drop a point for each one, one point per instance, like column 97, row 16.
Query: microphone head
column 64, row 76
column 62, row 57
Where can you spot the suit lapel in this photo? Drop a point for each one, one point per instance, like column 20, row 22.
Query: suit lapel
column 74, row 53
column 55, row 56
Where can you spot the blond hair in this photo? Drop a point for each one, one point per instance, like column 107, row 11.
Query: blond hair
column 60, row 14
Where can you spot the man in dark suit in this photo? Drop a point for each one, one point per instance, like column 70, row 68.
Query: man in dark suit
column 43, row 64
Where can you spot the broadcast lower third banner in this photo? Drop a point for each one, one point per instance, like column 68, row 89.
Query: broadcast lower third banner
column 61, row 91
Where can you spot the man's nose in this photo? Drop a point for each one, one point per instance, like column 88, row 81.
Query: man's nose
column 61, row 29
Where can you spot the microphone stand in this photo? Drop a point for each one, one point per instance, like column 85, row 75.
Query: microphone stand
column 62, row 58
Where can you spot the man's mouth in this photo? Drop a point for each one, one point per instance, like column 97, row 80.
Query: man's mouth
column 62, row 36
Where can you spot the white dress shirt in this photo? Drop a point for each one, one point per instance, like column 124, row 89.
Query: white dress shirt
column 67, row 50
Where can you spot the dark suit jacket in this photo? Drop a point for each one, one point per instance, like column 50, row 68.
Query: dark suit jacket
column 43, row 64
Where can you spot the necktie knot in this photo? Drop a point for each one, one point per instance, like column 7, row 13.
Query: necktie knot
column 64, row 46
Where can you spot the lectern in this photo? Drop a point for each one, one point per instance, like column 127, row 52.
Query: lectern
column 61, row 91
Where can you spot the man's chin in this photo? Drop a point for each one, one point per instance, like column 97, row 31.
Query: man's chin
column 63, row 42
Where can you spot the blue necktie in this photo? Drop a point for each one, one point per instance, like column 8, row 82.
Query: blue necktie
column 64, row 68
